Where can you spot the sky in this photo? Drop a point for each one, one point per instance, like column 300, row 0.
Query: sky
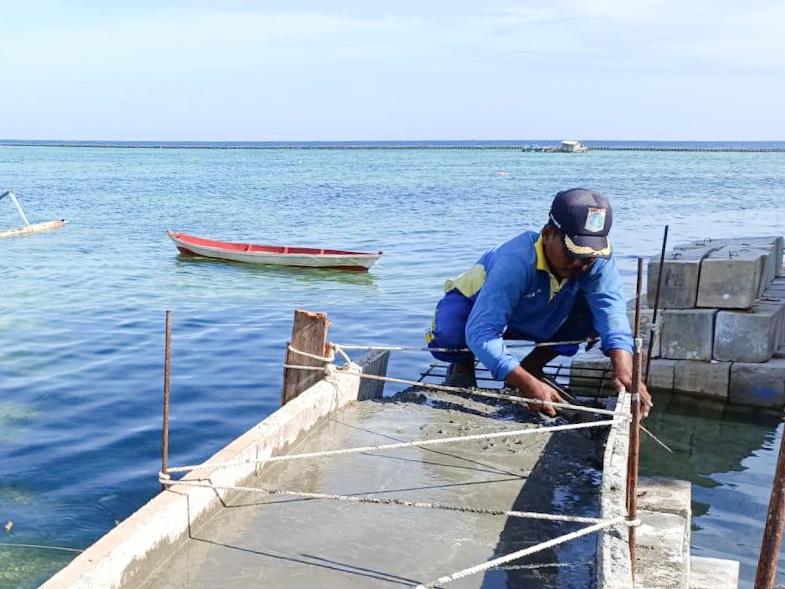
column 364, row 70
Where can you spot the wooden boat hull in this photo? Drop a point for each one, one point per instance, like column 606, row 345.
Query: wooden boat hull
column 273, row 255
column 35, row 228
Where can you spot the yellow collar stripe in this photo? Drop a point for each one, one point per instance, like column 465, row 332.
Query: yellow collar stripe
column 542, row 264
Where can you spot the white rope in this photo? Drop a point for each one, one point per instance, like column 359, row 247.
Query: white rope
column 337, row 348
column 427, row 349
column 527, row 551
column 397, row 446
column 463, row 391
column 385, row 501
column 329, row 358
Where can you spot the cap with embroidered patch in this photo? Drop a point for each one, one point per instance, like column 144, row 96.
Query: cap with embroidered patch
column 584, row 217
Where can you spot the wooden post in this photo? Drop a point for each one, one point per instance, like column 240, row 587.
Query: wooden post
column 309, row 335
column 772, row 534
column 167, row 355
column 635, row 440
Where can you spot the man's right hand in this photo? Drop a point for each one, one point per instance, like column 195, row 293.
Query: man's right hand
column 531, row 387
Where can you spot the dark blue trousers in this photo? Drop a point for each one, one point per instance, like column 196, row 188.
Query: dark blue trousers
column 452, row 313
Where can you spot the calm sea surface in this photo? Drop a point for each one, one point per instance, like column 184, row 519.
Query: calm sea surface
column 82, row 309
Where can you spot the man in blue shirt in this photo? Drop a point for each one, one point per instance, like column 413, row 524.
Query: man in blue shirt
column 560, row 285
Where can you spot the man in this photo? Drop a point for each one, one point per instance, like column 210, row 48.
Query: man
column 560, row 285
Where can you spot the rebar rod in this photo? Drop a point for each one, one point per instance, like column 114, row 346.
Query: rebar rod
column 632, row 465
column 653, row 326
column 165, row 440
column 772, row 535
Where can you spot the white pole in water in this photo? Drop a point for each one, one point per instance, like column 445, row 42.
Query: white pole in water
column 18, row 207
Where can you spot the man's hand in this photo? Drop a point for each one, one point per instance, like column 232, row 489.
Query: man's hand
column 622, row 368
column 533, row 388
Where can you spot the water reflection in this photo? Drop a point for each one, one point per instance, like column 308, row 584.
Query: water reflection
column 706, row 437
column 187, row 261
column 729, row 455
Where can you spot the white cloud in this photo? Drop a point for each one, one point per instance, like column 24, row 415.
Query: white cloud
column 216, row 64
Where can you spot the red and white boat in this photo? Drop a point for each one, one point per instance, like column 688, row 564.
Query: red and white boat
column 273, row 254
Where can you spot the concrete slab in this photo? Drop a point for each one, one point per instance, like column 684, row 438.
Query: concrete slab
column 665, row 495
column 758, row 385
column 687, row 334
column 707, row 379
column 748, row 336
column 587, row 370
column 263, row 540
column 713, row 573
column 661, row 561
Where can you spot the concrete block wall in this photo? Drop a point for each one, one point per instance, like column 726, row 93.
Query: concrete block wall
column 721, row 321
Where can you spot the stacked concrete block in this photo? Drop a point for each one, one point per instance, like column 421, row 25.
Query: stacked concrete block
column 661, row 374
column 687, row 334
column 591, row 374
column 646, row 321
column 707, row 379
column 758, row 384
column 730, row 278
column 680, row 275
column 723, row 319
column 748, row 336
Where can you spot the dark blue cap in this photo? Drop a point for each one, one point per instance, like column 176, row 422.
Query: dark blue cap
column 584, row 217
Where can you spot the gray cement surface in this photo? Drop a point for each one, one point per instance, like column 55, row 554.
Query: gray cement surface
column 262, row 540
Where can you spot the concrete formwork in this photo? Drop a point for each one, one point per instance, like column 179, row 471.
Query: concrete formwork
column 267, row 540
column 140, row 543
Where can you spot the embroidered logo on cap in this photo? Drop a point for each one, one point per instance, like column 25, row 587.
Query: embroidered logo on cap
column 595, row 220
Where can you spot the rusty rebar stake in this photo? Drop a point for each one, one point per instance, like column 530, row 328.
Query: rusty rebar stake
column 632, row 464
column 653, row 329
column 772, row 535
column 165, row 441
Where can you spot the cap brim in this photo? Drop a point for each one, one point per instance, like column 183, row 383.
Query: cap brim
column 588, row 246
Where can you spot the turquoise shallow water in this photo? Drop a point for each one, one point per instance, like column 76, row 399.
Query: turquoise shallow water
column 82, row 308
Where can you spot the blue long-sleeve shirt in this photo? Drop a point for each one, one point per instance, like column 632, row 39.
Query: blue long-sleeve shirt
column 514, row 290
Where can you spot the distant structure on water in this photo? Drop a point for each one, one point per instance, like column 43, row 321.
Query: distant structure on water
column 571, row 146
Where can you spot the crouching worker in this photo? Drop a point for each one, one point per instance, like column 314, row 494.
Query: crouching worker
column 560, row 285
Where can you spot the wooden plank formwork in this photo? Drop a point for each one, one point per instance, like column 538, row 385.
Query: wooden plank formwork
column 309, row 335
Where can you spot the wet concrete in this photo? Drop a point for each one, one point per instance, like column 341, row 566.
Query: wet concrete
column 262, row 540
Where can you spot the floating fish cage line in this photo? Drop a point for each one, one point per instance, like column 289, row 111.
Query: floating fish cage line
column 398, row 147
column 704, row 149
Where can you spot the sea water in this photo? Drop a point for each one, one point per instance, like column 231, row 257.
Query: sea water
column 82, row 308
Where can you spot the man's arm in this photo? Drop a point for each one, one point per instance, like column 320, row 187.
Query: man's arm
column 622, row 370
column 507, row 276
column 533, row 388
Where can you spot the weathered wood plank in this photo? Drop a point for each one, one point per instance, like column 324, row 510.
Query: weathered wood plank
column 309, row 334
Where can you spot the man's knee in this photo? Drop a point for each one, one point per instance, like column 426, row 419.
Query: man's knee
column 448, row 331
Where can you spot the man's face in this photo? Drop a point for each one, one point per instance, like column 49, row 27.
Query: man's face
column 561, row 261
